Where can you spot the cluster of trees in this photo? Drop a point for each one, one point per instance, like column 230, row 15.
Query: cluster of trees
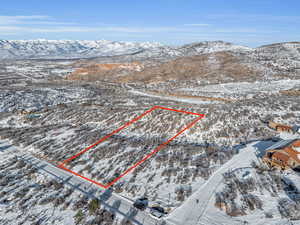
column 235, row 189
column 16, row 175
column 289, row 208
column 238, row 194
column 50, row 192
column 90, row 211
column 182, row 192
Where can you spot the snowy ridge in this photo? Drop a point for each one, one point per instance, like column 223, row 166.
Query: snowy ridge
column 68, row 49
column 210, row 47
column 24, row 49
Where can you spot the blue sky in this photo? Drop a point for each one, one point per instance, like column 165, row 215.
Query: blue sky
column 246, row 22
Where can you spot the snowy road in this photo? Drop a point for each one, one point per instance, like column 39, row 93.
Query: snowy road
column 177, row 98
column 204, row 212
column 107, row 199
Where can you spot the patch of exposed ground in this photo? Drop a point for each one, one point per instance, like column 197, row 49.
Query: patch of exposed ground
column 291, row 92
column 92, row 72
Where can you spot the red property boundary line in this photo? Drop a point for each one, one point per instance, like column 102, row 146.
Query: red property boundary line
column 62, row 165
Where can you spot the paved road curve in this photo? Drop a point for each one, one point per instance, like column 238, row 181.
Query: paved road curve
column 195, row 210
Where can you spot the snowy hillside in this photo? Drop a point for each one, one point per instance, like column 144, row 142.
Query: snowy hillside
column 210, row 47
column 283, row 56
column 41, row 48
column 68, row 49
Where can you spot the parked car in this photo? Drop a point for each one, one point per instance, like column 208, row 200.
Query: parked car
column 141, row 203
column 157, row 211
column 275, row 139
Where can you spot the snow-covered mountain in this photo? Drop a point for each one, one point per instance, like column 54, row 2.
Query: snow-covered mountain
column 210, row 47
column 20, row 49
column 283, row 56
column 69, row 49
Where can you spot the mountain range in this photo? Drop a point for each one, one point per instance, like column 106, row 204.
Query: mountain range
column 36, row 49
column 155, row 62
column 216, row 61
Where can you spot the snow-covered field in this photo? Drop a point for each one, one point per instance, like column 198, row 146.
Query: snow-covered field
column 45, row 119
column 38, row 99
column 32, row 198
column 248, row 88
column 200, row 208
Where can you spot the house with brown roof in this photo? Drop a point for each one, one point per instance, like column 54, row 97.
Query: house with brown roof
column 284, row 154
column 280, row 127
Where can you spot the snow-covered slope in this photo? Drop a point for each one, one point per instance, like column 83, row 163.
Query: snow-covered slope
column 84, row 49
column 210, row 47
column 69, row 49
column 282, row 56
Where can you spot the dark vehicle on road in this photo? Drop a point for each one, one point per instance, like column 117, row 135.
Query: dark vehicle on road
column 141, row 203
column 157, row 211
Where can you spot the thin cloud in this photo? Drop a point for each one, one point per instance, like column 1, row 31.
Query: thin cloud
column 255, row 17
column 8, row 20
column 81, row 29
column 30, row 20
column 196, row 25
column 44, row 23
column 49, row 27
column 246, row 30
